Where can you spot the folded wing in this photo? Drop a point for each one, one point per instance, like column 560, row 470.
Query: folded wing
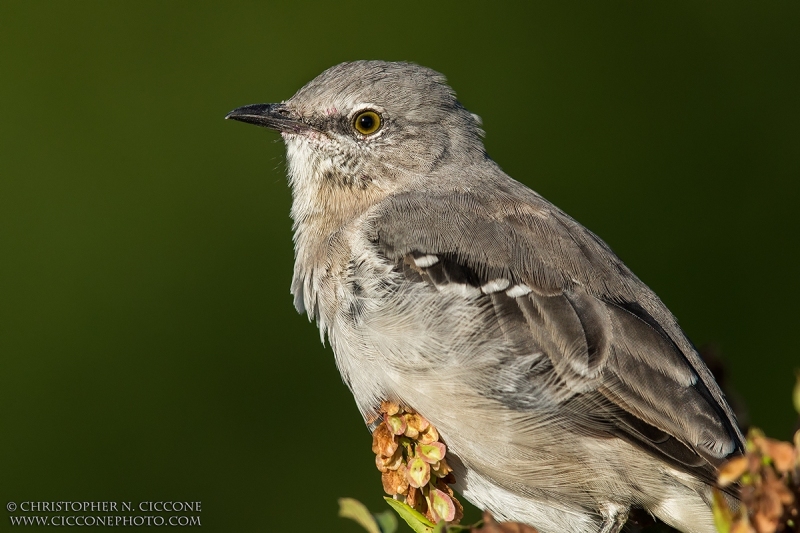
column 616, row 360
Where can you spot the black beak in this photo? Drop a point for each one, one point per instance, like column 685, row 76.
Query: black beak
column 276, row 117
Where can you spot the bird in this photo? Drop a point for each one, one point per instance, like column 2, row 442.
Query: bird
column 565, row 390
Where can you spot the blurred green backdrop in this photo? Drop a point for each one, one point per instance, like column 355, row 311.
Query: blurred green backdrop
column 148, row 343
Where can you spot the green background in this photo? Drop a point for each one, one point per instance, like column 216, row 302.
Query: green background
column 149, row 349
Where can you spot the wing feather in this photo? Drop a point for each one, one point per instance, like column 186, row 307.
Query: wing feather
column 616, row 358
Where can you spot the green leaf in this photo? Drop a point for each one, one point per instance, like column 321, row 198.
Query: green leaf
column 441, row 527
column 444, row 527
column 723, row 518
column 355, row 510
column 412, row 517
column 796, row 393
column 387, row 520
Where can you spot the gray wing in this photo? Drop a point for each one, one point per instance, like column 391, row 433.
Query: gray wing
column 617, row 363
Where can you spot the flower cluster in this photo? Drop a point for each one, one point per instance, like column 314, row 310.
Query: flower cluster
column 411, row 458
column 769, row 479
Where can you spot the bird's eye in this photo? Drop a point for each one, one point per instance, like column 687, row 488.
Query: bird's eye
column 367, row 122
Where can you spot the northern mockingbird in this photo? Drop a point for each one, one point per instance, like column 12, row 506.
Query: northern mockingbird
column 565, row 390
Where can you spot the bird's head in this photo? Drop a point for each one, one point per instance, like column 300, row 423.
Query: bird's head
column 365, row 129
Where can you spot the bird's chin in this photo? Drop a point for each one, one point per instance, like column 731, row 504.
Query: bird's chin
column 313, row 136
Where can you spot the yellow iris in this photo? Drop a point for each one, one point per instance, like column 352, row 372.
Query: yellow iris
column 367, row 122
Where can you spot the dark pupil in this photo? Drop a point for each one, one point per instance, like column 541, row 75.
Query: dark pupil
column 366, row 122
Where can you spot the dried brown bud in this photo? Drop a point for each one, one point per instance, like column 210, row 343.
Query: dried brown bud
column 776, row 489
column 392, row 462
column 411, row 433
column 765, row 524
column 441, row 469
column 390, row 408
column 417, row 421
column 394, row 481
column 732, row 470
column 429, row 436
column 416, row 500
column 383, row 441
column 783, row 454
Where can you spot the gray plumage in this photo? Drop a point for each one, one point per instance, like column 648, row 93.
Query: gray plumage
column 563, row 387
